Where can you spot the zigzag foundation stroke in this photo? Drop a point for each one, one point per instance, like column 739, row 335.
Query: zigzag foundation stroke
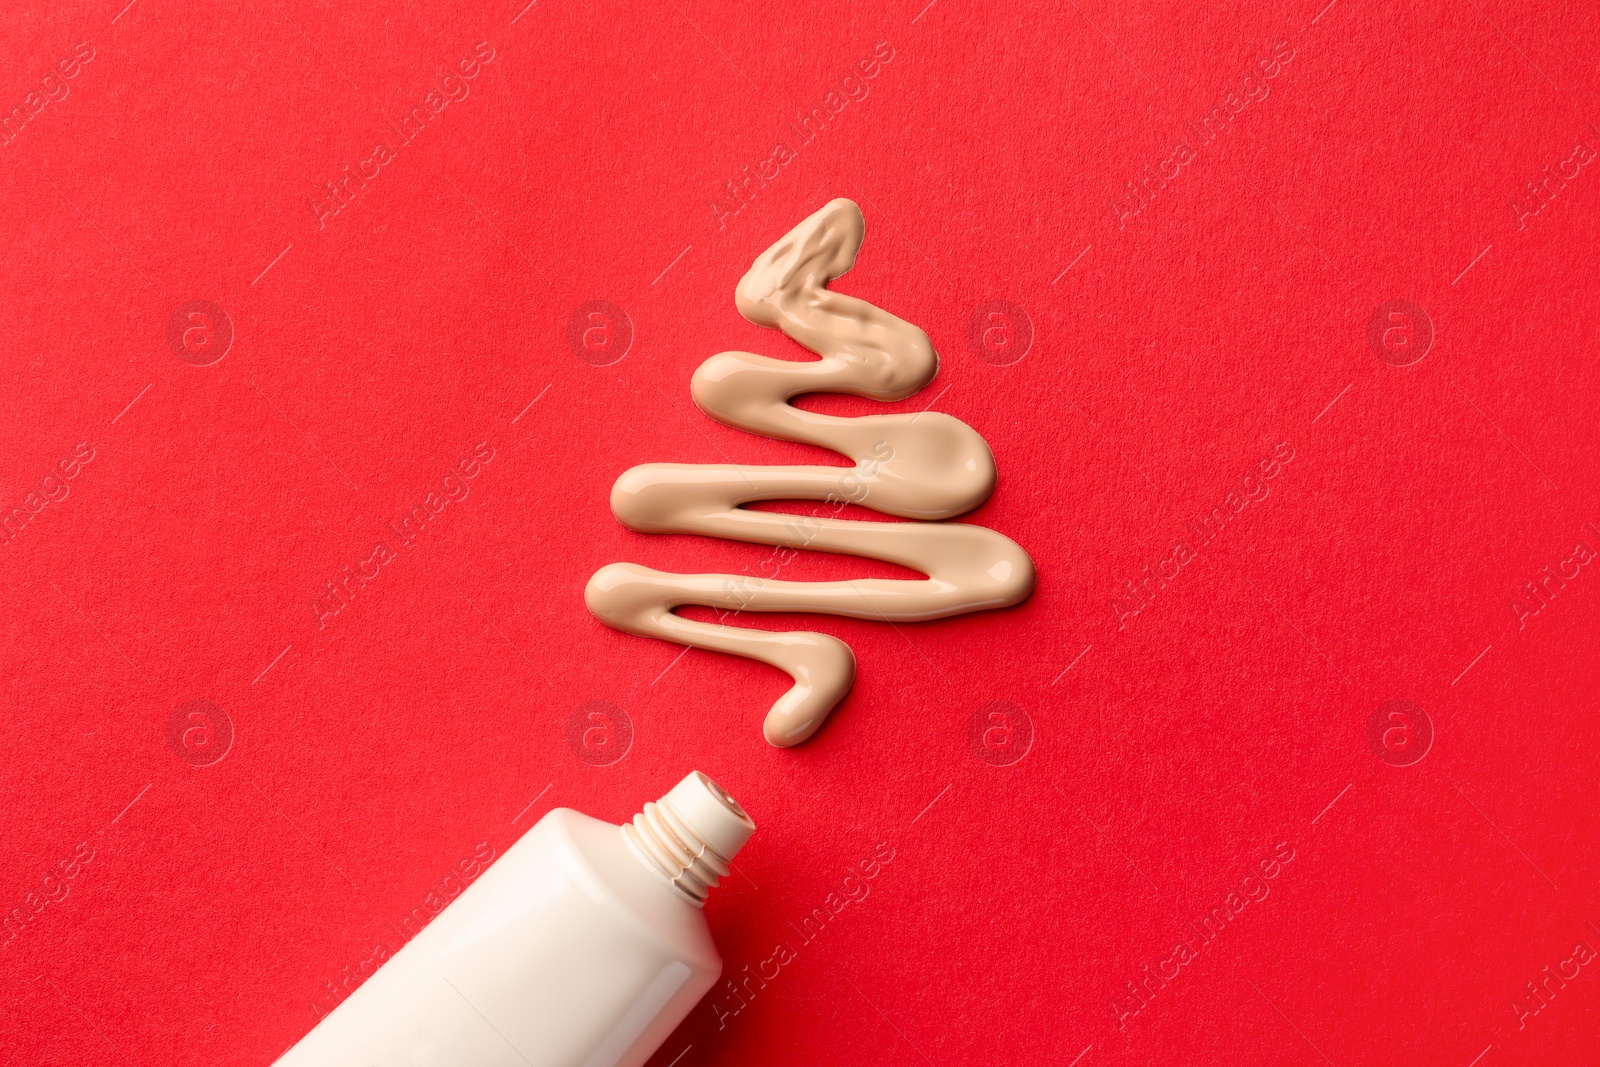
column 924, row 466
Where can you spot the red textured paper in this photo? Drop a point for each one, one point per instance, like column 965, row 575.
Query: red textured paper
column 167, row 906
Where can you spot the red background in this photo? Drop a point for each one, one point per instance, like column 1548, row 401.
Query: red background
column 372, row 754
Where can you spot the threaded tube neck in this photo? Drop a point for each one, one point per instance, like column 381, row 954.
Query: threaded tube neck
column 689, row 837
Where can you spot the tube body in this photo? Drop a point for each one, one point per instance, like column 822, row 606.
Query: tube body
column 571, row 950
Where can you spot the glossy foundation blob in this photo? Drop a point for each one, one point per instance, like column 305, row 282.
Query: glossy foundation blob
column 924, row 466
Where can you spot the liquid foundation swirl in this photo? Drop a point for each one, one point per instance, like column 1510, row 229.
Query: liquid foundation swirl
column 922, row 466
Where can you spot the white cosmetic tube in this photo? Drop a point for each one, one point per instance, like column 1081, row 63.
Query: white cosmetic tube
column 583, row 946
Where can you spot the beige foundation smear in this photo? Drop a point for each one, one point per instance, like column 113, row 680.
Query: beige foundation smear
column 925, row 466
